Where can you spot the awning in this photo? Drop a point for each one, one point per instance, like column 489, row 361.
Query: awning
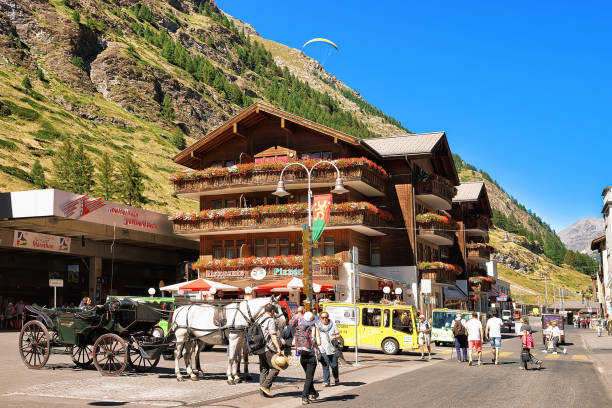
column 175, row 287
column 289, row 284
column 206, row 285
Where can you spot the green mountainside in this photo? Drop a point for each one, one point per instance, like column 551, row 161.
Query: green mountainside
column 122, row 85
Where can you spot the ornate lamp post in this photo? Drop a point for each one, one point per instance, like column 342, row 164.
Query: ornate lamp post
column 281, row 192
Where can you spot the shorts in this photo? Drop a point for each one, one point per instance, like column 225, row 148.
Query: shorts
column 475, row 345
column 495, row 342
column 424, row 340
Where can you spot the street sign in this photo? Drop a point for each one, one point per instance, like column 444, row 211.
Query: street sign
column 501, row 298
column 56, row 283
column 425, row 285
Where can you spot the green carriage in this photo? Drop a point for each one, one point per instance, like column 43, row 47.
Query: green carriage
column 112, row 336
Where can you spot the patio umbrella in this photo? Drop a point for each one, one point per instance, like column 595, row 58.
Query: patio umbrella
column 289, row 284
column 175, row 287
column 204, row 285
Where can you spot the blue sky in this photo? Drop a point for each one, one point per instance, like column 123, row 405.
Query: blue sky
column 521, row 88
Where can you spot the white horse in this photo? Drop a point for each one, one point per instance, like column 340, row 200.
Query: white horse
column 195, row 326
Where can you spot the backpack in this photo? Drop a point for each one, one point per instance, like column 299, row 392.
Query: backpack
column 255, row 338
column 303, row 338
column 458, row 328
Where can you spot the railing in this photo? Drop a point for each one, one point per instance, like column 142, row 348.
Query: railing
column 436, row 228
column 477, row 223
column 263, row 221
column 439, row 275
column 479, row 253
column 437, row 188
column 482, row 286
column 269, row 177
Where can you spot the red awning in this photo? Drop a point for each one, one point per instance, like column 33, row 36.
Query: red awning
column 289, row 284
column 205, row 285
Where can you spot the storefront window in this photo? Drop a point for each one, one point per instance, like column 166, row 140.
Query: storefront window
column 371, row 317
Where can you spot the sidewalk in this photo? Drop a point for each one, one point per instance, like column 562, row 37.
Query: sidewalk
column 600, row 351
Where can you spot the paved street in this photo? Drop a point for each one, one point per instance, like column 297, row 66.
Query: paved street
column 575, row 379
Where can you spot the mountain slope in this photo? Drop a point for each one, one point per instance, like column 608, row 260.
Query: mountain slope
column 579, row 235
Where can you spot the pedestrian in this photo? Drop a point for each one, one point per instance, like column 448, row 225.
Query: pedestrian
column 424, row 331
column 329, row 348
column 20, row 308
column 599, row 327
column 527, row 345
column 555, row 337
column 307, row 342
column 461, row 342
column 296, row 318
column 475, row 335
column 10, row 315
column 494, row 326
column 267, row 371
column 286, row 339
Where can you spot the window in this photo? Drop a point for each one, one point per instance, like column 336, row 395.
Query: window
column 260, row 247
column 326, row 155
column 271, row 248
column 303, row 198
column 375, row 253
column 226, row 249
column 386, row 318
column 402, row 320
column 328, row 243
column 314, row 155
column 230, row 251
column 230, row 203
column 283, row 246
column 256, row 201
column 370, row 317
column 217, row 204
column 282, row 200
column 229, row 163
column 420, row 252
column 217, row 249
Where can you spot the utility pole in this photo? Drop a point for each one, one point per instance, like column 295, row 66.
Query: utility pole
column 546, row 294
column 553, row 293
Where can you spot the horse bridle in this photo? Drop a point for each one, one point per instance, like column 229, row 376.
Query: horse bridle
column 261, row 312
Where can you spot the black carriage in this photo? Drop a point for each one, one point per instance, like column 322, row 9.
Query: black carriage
column 111, row 336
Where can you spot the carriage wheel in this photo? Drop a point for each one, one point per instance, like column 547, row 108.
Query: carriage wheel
column 110, row 354
column 138, row 363
column 82, row 356
column 34, row 344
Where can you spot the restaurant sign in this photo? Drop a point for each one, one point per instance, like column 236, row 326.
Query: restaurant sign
column 44, row 242
column 224, row 274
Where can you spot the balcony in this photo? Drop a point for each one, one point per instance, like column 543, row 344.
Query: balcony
column 477, row 227
column 479, row 253
column 435, row 194
column 362, row 217
column 480, row 283
column 281, row 267
column 360, row 174
column 439, row 272
column 436, row 229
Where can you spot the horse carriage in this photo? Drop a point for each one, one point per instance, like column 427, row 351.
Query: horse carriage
column 112, row 336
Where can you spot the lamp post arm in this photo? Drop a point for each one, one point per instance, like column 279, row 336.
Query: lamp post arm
column 294, row 164
column 328, row 162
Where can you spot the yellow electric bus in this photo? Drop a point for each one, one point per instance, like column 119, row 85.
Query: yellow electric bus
column 391, row 328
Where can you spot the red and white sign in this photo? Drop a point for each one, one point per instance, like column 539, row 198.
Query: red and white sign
column 44, row 242
column 223, row 274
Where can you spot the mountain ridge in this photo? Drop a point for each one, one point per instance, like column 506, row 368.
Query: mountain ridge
column 580, row 234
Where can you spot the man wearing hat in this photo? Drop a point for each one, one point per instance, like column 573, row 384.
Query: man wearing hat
column 269, row 362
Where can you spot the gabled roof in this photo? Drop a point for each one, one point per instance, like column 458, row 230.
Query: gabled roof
column 468, row 192
column 598, row 242
column 474, row 192
column 405, row 145
column 251, row 116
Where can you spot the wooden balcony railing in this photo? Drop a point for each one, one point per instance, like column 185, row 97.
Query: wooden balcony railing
column 364, row 220
column 436, row 194
column 436, row 232
column 361, row 174
column 477, row 223
column 441, row 276
column 479, row 254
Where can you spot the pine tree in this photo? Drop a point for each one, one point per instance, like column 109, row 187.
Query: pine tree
column 63, row 167
column 83, row 171
column 131, row 184
column 570, row 258
column 177, row 138
column 76, row 17
column 107, row 178
column 25, row 82
column 38, row 175
column 167, row 110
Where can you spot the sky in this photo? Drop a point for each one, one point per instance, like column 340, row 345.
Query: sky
column 521, row 88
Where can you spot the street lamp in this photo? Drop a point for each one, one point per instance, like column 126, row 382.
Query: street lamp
column 398, row 293
column 281, row 192
column 151, row 291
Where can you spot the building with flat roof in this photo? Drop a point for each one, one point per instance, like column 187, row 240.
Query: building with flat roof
column 95, row 246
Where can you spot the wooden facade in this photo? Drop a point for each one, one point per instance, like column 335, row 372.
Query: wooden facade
column 261, row 135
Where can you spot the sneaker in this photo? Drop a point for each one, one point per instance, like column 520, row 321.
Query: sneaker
column 326, row 384
column 336, row 381
column 460, row 361
column 314, row 397
column 555, row 353
column 429, row 358
column 478, row 362
column 470, row 363
column 564, row 351
column 496, row 362
column 266, row 392
column 521, row 368
column 422, row 357
column 305, row 401
column 539, row 363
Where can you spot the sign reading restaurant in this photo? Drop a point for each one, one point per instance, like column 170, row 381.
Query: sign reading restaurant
column 270, row 272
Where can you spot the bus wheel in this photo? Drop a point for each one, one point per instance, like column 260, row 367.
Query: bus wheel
column 390, row 346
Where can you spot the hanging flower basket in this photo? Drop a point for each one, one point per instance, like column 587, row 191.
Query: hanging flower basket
column 476, row 280
column 274, row 261
column 277, row 166
column 428, row 218
column 440, row 265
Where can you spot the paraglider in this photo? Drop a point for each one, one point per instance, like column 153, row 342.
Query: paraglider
column 325, row 40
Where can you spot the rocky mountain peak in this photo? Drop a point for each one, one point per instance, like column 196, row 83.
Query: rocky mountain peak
column 579, row 235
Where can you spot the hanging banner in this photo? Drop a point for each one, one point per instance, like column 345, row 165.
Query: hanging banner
column 320, row 214
column 35, row 240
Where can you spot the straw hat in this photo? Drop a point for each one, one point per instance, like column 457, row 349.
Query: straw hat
column 279, row 362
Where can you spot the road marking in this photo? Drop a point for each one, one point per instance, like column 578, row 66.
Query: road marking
column 553, row 357
column 506, row 353
column 579, row 357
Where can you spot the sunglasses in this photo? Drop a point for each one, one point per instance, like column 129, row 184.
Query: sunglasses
column 324, row 317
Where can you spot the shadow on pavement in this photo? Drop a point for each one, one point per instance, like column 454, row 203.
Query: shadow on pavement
column 344, row 397
column 107, row 403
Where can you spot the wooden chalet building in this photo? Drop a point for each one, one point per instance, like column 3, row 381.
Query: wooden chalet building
column 399, row 189
column 471, row 206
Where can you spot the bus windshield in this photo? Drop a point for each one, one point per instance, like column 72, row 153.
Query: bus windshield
column 443, row 319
